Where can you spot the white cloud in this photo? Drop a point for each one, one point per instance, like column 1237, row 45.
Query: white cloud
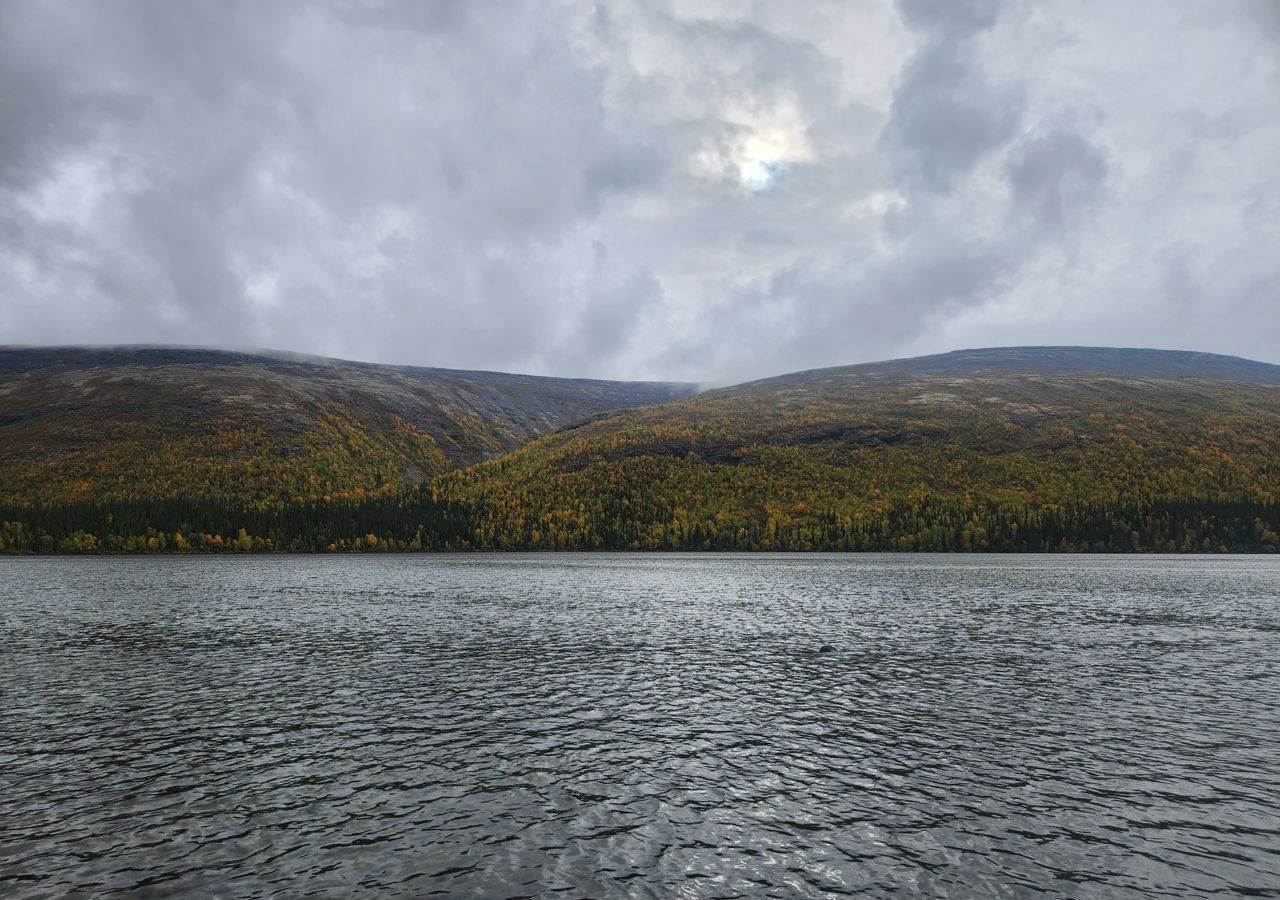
column 671, row 189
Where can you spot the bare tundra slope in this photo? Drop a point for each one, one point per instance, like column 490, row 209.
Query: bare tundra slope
column 133, row 422
column 1032, row 361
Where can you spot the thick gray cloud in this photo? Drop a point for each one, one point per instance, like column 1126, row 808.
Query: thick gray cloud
column 705, row 190
column 1054, row 177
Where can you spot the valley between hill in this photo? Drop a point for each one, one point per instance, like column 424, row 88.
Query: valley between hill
column 1003, row 449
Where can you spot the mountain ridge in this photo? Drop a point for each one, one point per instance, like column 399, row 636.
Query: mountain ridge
column 9, row 354
column 997, row 448
column 193, row 419
column 1051, row 359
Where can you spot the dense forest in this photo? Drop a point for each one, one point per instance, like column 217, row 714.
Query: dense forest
column 419, row 523
column 1116, row 451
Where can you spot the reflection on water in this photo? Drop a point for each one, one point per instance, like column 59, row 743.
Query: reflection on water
column 647, row 726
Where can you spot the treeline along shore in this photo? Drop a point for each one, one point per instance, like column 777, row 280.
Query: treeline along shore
column 421, row 523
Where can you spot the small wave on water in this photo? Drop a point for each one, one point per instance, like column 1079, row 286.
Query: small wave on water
column 640, row 726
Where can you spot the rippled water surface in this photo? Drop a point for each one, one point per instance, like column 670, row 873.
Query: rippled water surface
column 640, row 726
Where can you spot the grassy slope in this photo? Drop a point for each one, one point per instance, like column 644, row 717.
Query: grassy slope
column 1035, row 426
column 130, row 423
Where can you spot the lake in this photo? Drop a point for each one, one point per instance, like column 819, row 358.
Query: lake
column 640, row 726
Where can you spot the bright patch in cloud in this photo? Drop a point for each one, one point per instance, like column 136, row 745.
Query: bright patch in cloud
column 759, row 174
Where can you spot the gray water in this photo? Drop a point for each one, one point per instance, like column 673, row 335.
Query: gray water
column 640, row 726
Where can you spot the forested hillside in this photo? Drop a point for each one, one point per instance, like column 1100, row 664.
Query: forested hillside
column 936, row 453
column 1018, row 449
column 80, row 424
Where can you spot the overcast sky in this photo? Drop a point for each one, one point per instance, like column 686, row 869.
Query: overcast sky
column 659, row 189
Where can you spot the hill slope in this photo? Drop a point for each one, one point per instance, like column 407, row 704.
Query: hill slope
column 1009, row 449
column 834, row 457
column 993, row 361
column 82, row 424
